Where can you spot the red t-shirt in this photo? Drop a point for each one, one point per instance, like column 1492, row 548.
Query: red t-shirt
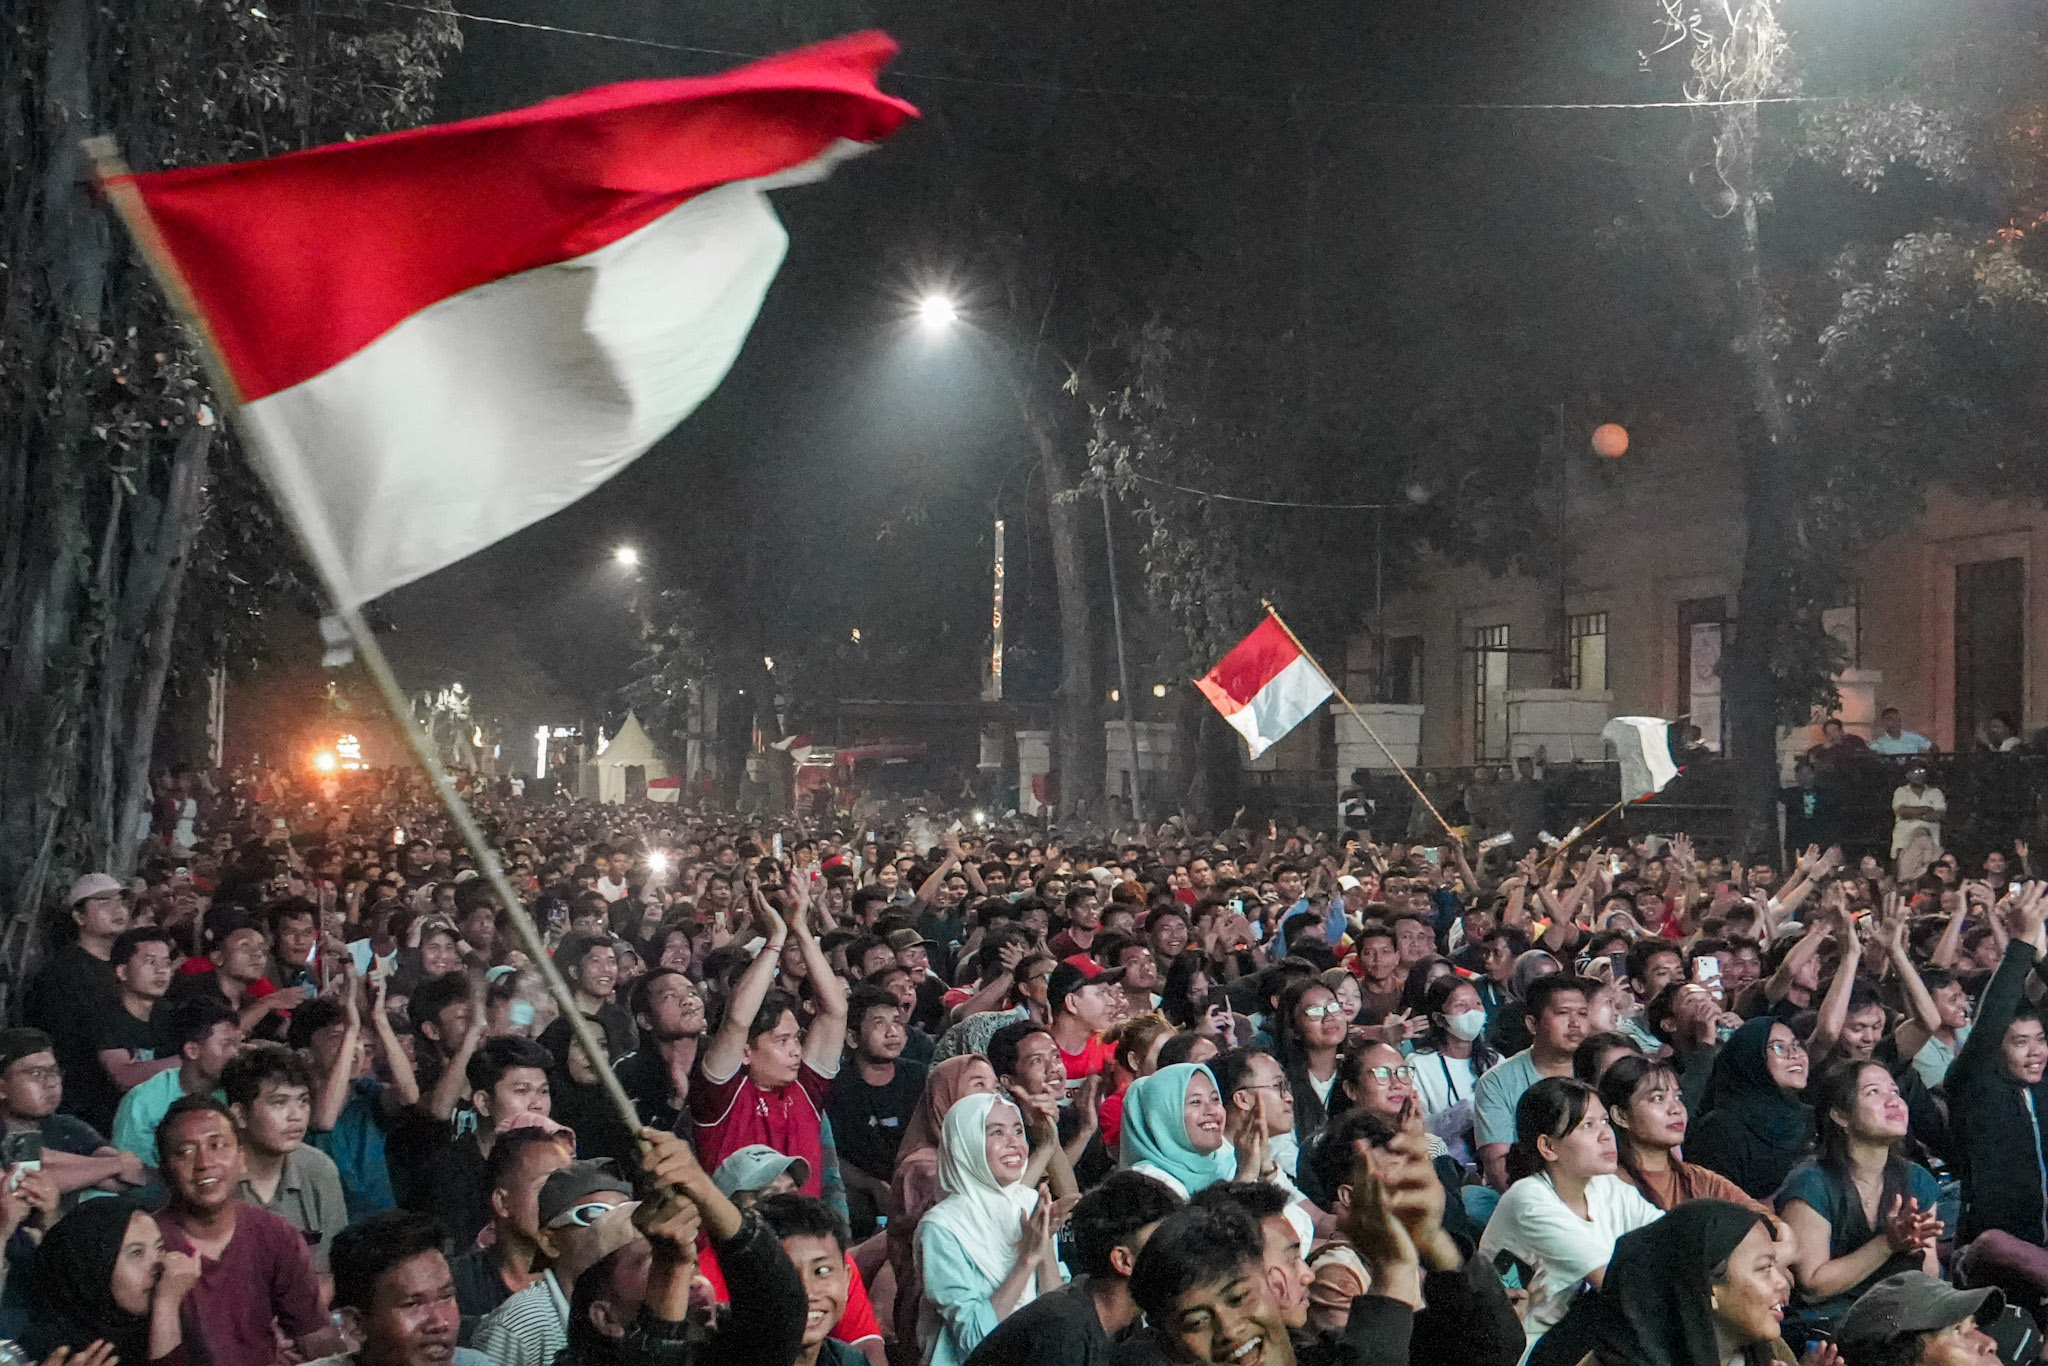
column 857, row 1322
column 733, row 1113
column 262, row 1282
column 1094, row 1057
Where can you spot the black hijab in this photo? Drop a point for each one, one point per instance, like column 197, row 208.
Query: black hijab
column 71, row 1285
column 1742, row 1084
column 1655, row 1306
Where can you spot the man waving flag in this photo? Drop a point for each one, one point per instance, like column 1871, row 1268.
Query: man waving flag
column 440, row 336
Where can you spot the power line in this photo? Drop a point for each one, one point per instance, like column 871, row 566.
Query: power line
column 1106, row 92
column 1269, row 502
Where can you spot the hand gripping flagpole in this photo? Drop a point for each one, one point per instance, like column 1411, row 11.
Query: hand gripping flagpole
column 1364, row 725
column 117, row 183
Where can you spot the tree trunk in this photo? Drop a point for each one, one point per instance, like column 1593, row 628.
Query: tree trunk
column 181, row 518
column 1077, row 744
column 1765, row 600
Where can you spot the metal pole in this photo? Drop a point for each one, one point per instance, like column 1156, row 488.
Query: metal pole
column 1564, row 647
column 995, row 654
column 1123, row 672
column 1379, row 604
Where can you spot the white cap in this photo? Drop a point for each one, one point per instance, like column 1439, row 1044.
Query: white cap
column 1349, row 883
column 92, row 885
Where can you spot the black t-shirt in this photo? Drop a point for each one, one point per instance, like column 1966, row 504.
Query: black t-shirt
column 868, row 1121
column 645, row 1076
column 143, row 1039
column 612, row 1022
column 1059, row 1328
column 478, row 1288
column 70, row 1000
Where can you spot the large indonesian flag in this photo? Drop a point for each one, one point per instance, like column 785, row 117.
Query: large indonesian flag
column 1266, row 686
column 443, row 335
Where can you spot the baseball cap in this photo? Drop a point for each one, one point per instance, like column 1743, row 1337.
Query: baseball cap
column 567, row 1187
column 754, row 1166
column 900, row 940
column 1349, row 883
column 1076, row 972
column 16, row 1044
column 91, row 885
column 1912, row 1302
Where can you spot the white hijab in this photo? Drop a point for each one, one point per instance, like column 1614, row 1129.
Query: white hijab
column 985, row 1216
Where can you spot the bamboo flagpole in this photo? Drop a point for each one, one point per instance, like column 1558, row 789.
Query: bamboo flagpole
column 1364, row 725
column 116, row 182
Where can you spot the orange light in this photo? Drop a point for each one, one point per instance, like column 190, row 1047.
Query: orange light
column 325, row 762
column 1610, row 440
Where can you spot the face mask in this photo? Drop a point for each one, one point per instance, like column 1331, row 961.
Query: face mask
column 1466, row 1024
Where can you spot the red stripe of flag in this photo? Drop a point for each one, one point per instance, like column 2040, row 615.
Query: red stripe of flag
column 1257, row 661
column 300, row 261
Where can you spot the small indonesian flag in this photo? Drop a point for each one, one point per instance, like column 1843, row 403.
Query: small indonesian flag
column 1642, row 747
column 1266, row 686
column 443, row 335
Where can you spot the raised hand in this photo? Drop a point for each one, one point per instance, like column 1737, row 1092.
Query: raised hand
column 1909, row 1228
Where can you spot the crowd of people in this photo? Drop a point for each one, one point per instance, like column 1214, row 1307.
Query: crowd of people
column 936, row 1095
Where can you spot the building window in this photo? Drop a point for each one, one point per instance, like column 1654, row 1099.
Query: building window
column 1489, row 692
column 1402, row 682
column 1587, row 633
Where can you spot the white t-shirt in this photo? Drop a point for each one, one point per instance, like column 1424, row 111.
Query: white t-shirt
column 1561, row 1249
column 610, row 890
column 1902, row 829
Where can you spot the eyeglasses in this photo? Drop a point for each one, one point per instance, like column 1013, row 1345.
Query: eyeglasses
column 1281, row 1088
column 1386, row 1074
column 1322, row 1012
column 1786, row 1050
column 583, row 1215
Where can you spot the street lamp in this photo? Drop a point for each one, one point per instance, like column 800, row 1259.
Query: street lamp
column 627, row 557
column 937, row 312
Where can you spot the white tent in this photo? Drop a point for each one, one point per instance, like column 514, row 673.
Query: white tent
column 626, row 763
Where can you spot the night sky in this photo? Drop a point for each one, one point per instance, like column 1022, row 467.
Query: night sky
column 863, row 461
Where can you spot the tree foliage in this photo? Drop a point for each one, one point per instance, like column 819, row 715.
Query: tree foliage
column 107, row 438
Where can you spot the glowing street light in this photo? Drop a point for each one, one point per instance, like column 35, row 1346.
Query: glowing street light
column 937, row 312
column 627, row 557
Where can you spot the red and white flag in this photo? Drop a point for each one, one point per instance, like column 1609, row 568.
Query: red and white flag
column 1266, row 686
column 443, row 335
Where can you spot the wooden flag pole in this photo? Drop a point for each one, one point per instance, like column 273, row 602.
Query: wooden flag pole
column 117, row 183
column 1365, row 725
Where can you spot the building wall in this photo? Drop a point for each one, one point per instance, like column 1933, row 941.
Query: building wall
column 1660, row 527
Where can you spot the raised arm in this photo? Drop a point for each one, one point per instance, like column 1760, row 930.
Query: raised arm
column 728, row 1047
column 1834, row 1007
column 2002, row 996
column 929, row 888
column 331, row 1094
column 405, row 1083
column 825, row 1040
column 454, row 1080
column 1944, row 955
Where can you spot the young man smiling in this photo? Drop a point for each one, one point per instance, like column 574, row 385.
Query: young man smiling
column 1208, row 1285
column 255, row 1279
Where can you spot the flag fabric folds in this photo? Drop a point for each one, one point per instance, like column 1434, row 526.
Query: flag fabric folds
column 443, row 335
column 1266, row 686
column 1642, row 744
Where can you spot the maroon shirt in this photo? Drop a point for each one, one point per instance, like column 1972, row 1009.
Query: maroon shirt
column 262, row 1282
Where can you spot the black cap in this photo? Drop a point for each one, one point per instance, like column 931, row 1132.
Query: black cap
column 1911, row 1302
column 1069, row 977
